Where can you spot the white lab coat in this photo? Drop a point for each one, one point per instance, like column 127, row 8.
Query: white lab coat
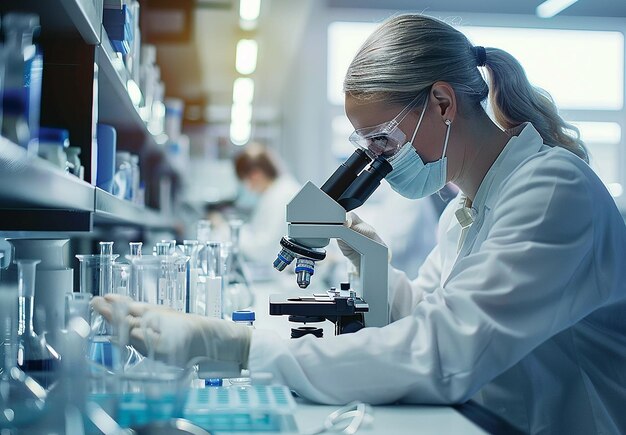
column 529, row 318
column 260, row 237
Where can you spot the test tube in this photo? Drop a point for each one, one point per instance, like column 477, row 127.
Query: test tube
column 164, row 292
column 135, row 249
column 106, row 268
column 214, row 283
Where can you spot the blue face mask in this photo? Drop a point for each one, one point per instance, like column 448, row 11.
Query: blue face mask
column 412, row 178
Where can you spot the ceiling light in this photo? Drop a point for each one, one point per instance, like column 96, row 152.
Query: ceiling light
column 247, row 50
column 550, row 8
column 249, row 11
column 240, row 113
column 240, row 133
column 243, row 90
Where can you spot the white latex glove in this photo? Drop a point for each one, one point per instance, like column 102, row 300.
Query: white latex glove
column 177, row 338
column 354, row 222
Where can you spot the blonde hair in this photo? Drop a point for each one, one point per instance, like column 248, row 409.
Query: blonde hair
column 410, row 52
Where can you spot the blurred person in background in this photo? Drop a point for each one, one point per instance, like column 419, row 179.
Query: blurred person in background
column 268, row 187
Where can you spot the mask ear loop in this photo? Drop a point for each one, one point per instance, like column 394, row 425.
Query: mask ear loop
column 419, row 122
column 445, row 142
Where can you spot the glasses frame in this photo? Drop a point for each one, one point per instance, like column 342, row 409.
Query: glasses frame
column 389, row 129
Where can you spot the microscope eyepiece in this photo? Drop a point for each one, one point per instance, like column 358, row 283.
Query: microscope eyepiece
column 366, row 183
column 345, row 174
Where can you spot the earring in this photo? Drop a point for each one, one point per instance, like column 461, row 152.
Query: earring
column 447, row 122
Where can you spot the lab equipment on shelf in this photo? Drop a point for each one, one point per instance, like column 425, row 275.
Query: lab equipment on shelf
column 122, row 179
column 53, row 143
column 74, row 164
column 106, row 149
column 23, row 76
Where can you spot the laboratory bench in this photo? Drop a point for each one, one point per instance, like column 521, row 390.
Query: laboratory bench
column 469, row 418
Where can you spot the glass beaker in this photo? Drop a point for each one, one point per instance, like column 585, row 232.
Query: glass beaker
column 146, row 272
column 91, row 274
column 35, row 356
column 238, row 290
column 22, row 399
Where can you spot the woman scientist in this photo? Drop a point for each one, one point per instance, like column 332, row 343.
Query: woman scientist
column 522, row 303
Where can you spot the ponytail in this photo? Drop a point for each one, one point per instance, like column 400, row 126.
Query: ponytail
column 514, row 101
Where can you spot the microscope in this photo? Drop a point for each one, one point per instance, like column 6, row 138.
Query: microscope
column 316, row 215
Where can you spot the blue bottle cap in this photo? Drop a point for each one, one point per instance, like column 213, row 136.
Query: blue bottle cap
column 243, row 316
column 57, row 136
column 213, row 382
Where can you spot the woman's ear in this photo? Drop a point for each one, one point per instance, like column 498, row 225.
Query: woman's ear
column 445, row 99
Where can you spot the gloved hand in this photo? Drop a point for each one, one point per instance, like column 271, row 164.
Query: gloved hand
column 177, row 338
column 354, row 222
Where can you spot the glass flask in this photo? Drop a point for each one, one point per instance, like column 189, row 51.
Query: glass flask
column 22, row 400
column 238, row 291
column 34, row 356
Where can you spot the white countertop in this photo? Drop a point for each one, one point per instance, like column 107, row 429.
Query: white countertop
column 394, row 419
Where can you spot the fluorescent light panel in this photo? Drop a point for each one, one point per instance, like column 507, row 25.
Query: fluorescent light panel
column 247, row 50
column 550, row 8
column 243, row 90
column 249, row 10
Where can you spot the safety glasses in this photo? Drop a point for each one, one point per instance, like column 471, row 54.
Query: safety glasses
column 384, row 139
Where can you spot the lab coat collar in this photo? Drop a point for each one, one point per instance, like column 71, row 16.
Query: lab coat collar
column 525, row 141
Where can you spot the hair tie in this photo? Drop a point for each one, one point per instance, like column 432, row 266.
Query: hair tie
column 481, row 55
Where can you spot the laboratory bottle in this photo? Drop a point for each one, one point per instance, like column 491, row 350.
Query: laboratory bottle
column 22, row 400
column 135, row 178
column 24, row 69
column 14, row 123
column 35, row 356
column 238, row 291
column 214, row 284
column 53, row 143
column 246, row 318
column 73, row 159
column 122, row 178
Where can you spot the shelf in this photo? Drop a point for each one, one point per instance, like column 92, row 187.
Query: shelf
column 36, row 196
column 34, row 182
column 112, row 210
column 115, row 106
column 63, row 17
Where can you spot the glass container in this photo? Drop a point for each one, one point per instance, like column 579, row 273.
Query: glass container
column 35, row 356
column 22, row 400
column 238, row 291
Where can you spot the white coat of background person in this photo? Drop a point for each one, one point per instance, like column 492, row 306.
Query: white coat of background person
column 522, row 308
column 264, row 176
